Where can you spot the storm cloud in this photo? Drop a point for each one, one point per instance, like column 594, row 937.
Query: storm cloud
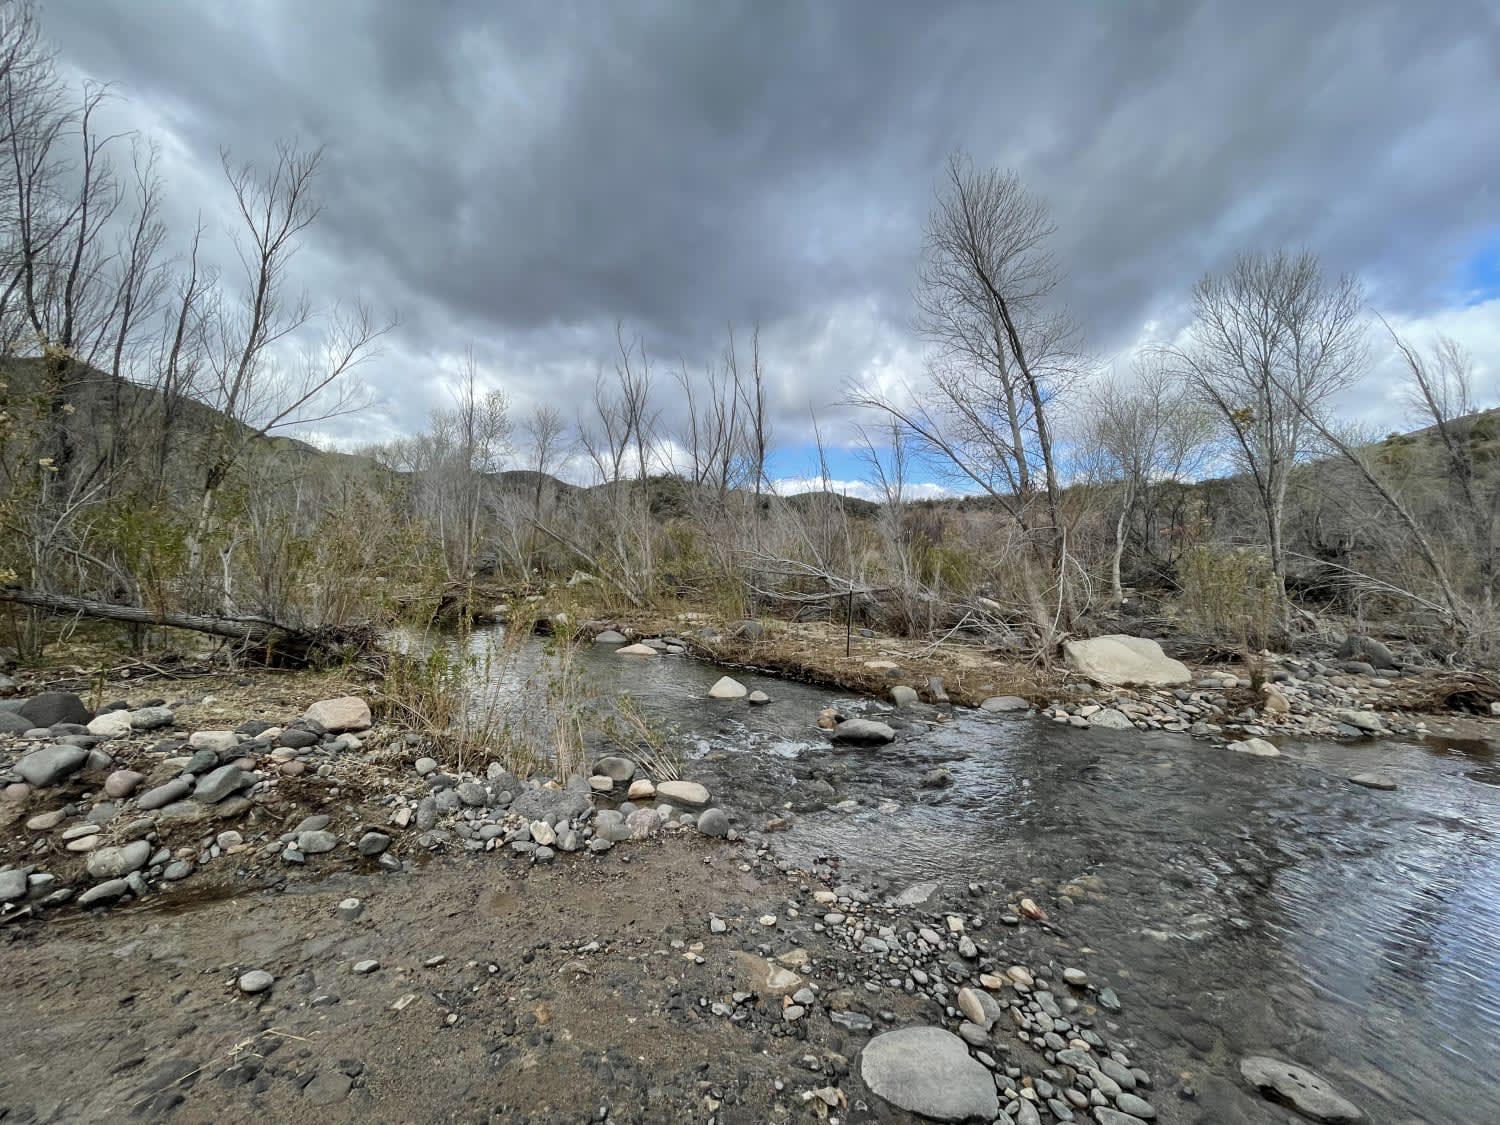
column 522, row 177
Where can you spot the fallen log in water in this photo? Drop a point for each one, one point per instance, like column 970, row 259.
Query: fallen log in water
column 265, row 641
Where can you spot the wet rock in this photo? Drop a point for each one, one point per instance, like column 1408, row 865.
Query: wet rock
column 346, row 713
column 609, row 637
column 728, row 688
column 1309, row 1093
column 688, row 794
column 915, row 895
column 256, row 980
column 214, row 787
column 51, row 764
column 113, row 863
column 1119, row 660
column 1374, row 780
column 636, row 650
column 53, row 707
column 759, row 698
column 937, row 778
column 929, row 1071
column 904, row 696
column 1258, row 747
column 863, row 732
column 1110, row 719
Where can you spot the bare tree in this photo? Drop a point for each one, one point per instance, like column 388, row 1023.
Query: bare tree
column 1273, row 342
column 1442, row 393
column 1142, row 432
column 1000, row 354
column 255, row 388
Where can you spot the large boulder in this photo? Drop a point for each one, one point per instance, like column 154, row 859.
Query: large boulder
column 929, row 1071
column 51, row 764
column 1118, row 660
column 1309, row 1093
column 53, row 707
column 346, row 713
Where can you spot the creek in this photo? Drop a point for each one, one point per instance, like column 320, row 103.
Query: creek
column 1239, row 905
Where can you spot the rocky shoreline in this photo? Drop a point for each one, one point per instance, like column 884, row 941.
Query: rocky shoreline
column 920, row 1003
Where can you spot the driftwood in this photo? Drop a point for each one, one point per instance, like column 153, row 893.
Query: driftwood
column 263, row 640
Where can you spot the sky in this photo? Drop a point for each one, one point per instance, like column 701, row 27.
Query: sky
column 521, row 178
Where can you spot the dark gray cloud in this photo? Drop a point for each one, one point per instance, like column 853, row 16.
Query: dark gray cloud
column 523, row 176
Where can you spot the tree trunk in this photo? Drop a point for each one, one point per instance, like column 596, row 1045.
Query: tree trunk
column 267, row 642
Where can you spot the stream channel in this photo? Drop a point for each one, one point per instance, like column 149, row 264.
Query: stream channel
column 1239, row 905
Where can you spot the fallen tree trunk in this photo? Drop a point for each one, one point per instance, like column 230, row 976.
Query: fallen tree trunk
column 265, row 641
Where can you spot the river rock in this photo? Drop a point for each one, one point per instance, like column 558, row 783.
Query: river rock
column 103, row 892
column 346, row 713
column 152, row 718
column 53, row 707
column 688, row 794
column 1256, row 746
column 1110, row 719
column 636, row 650
column 979, row 1006
column 1366, row 721
column 373, row 843
column 316, row 842
column 929, row 1071
column 12, row 723
column 609, row 637
column 162, row 795
column 550, row 804
column 1118, row 660
column 1000, row 704
column 122, row 783
column 619, row 770
column 1368, row 650
column 643, row 824
column 112, row 863
column 863, row 732
column 214, row 741
column 14, row 883
column 256, row 980
column 728, row 688
column 215, row 786
column 642, row 789
column 1305, row 1091
column 713, row 822
column 609, row 824
column 112, row 724
column 51, row 764
column 903, row 696
column 759, row 698
column 1374, row 780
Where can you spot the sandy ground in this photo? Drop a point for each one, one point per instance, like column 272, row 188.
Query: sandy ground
column 561, row 993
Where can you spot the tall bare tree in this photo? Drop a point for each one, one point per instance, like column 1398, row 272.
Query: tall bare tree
column 1000, row 353
column 1273, row 342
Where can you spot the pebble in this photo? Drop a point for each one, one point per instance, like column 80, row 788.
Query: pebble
column 367, row 966
column 256, row 980
column 350, row 909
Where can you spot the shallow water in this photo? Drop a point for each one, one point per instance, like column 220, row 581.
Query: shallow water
column 1239, row 905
